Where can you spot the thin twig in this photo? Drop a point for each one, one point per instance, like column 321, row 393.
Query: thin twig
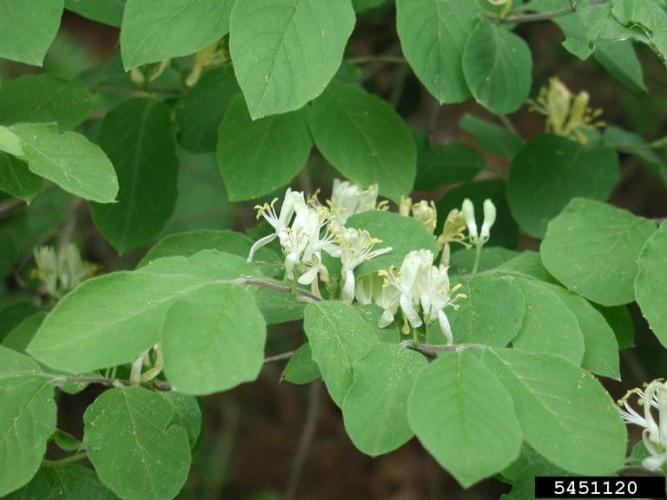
column 77, row 457
column 508, row 124
column 279, row 357
column 313, row 411
column 275, row 286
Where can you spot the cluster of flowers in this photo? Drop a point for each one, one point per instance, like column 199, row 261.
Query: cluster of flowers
column 305, row 229
column 653, row 399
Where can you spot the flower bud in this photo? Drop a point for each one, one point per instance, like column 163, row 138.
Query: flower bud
column 489, row 218
column 468, row 210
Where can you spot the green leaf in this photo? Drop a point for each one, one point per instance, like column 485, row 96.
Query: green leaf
column 448, row 411
column 446, row 164
column 592, row 248
column 12, row 312
column 462, row 261
column 154, row 30
column 620, row 321
column 27, row 419
column 551, row 170
column 187, row 413
column 110, row 320
column 139, row 139
column 601, row 347
column 43, row 99
column 134, row 445
column 402, row 234
column 258, row 157
column 632, row 144
column 70, row 160
column 497, row 65
column 191, row 242
column 364, row 138
column 27, row 29
column 63, row 482
column 433, row 34
column 382, row 382
column 529, row 264
column 224, row 345
column 66, row 442
column 549, row 326
column 301, row 369
column 564, row 413
column 103, row 11
column 17, row 180
column 505, row 231
column 200, row 111
column 286, row 52
column 20, row 336
column 495, row 139
column 621, row 61
column 338, row 337
column 650, row 285
column 492, row 312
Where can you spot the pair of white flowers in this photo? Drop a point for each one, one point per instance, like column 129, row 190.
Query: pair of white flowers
column 417, row 284
column 653, row 400
column 305, row 229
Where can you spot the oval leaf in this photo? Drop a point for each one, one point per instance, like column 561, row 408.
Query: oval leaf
column 213, row 340
column 134, row 445
column 564, row 413
column 154, row 30
column 256, row 158
column 285, row 52
column 138, row 137
column 551, row 170
column 433, row 34
column 592, row 248
column 497, row 65
column 447, row 411
column 364, row 138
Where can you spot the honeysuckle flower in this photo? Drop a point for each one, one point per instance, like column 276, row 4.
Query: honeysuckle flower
column 404, row 206
column 348, row 199
column 478, row 238
column 356, row 248
column 279, row 221
column 417, row 286
column 567, row 115
column 654, row 434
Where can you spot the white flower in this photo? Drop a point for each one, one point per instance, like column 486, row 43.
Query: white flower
column 348, row 199
column 356, row 248
column 654, row 434
column 426, row 213
column 407, row 284
column 435, row 297
column 314, row 237
column 468, row 210
column 418, row 284
column 279, row 222
column 489, row 219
